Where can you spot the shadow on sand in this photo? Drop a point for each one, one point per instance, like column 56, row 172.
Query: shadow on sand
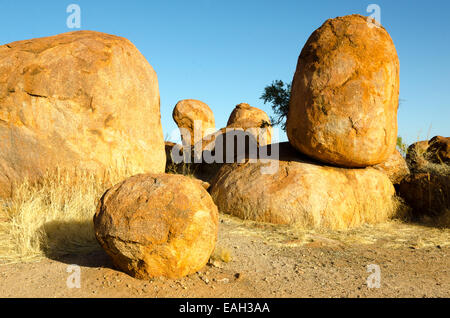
column 73, row 242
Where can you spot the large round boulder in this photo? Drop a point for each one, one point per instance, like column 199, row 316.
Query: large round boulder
column 344, row 100
column 79, row 100
column 297, row 191
column 157, row 225
column 190, row 112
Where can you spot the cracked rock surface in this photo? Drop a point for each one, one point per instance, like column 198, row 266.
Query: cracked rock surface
column 345, row 90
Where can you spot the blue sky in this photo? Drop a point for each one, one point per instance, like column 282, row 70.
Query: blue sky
column 226, row 52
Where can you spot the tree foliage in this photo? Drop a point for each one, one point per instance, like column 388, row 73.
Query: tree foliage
column 278, row 94
column 401, row 146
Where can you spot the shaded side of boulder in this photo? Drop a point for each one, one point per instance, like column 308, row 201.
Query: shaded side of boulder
column 173, row 153
column 81, row 99
column 345, row 91
column 297, row 191
column 439, row 150
column 428, row 194
column 157, row 225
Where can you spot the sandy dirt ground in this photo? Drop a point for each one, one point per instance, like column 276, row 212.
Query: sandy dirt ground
column 260, row 260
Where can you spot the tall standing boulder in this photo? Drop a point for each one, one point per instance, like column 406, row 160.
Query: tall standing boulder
column 78, row 100
column 344, row 100
column 157, row 225
column 189, row 111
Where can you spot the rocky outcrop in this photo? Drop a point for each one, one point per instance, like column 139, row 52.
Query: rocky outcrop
column 428, row 155
column 415, row 155
column 439, row 150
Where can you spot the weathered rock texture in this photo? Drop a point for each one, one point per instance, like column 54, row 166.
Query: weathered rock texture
column 344, row 100
column 76, row 100
column 394, row 167
column 247, row 117
column 157, row 225
column 186, row 112
column 303, row 193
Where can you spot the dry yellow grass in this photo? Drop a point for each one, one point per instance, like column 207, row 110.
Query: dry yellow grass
column 222, row 254
column 395, row 233
column 54, row 216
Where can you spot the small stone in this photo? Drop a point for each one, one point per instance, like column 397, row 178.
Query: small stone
column 238, row 276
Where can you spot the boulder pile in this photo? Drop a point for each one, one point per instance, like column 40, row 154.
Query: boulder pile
column 89, row 100
column 247, row 129
column 342, row 120
column 395, row 167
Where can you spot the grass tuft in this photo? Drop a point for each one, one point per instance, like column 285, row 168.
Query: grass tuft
column 53, row 216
